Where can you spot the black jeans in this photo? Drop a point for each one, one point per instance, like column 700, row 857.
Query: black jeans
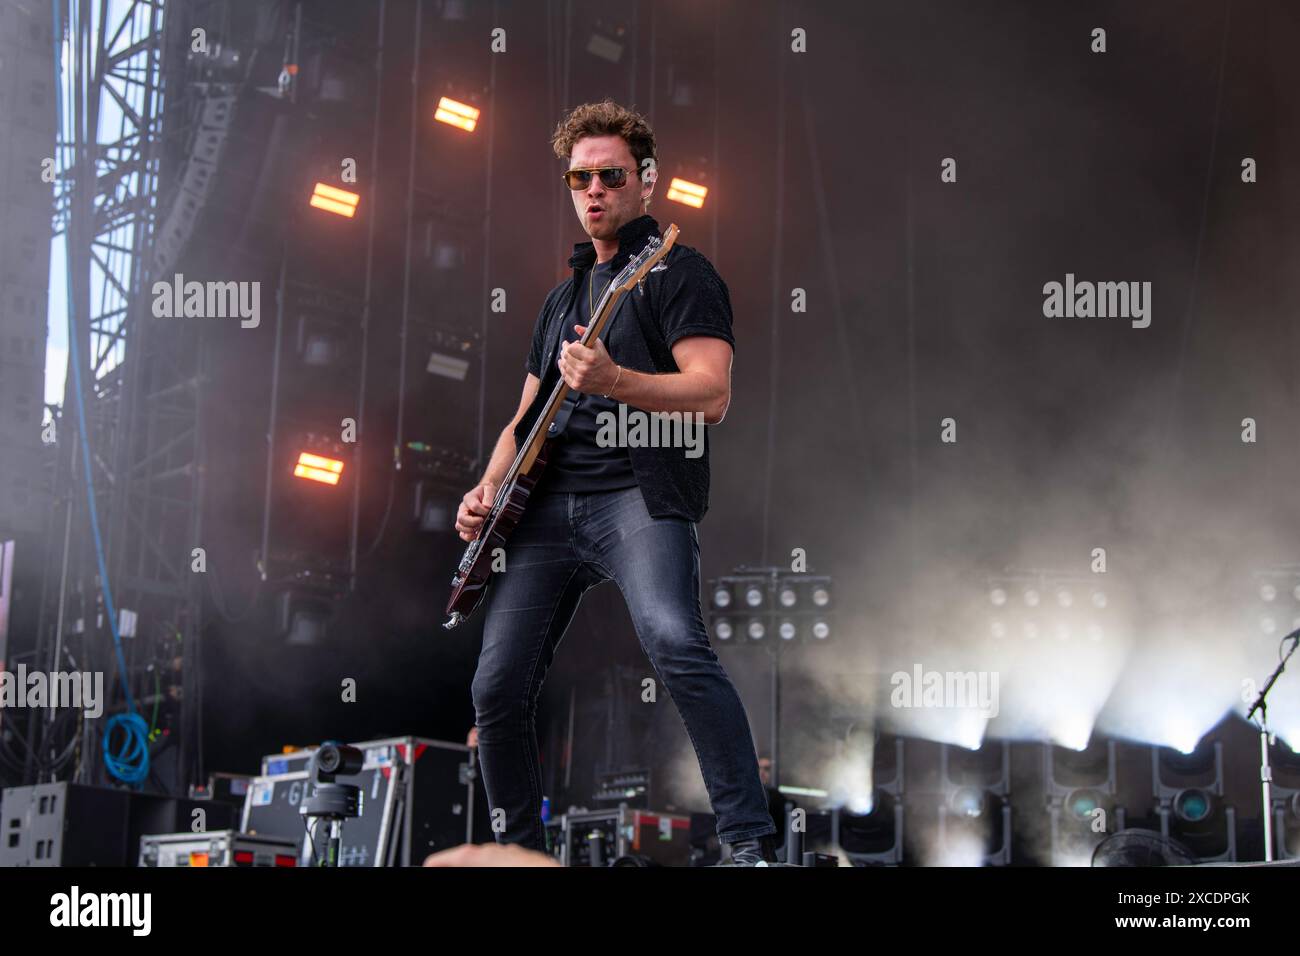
column 566, row 543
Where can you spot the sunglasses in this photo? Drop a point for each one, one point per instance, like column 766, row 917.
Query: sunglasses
column 611, row 177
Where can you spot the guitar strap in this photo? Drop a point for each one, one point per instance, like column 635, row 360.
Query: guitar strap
column 562, row 416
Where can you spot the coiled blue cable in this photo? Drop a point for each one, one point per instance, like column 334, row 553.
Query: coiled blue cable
column 131, row 763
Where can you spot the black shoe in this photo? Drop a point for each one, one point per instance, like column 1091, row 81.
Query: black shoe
column 753, row 852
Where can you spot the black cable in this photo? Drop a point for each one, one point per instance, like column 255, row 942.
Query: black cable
column 311, row 837
column 9, row 761
column 388, row 510
column 52, row 732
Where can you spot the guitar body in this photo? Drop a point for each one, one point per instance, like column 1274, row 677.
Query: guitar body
column 469, row 583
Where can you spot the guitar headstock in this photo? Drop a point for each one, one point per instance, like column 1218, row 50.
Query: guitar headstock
column 645, row 260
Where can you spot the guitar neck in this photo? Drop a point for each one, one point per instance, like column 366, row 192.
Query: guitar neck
column 527, row 453
column 537, row 435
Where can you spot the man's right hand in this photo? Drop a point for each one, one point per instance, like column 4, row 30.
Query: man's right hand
column 473, row 507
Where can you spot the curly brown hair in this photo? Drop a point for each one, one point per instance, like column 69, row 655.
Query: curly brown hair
column 606, row 118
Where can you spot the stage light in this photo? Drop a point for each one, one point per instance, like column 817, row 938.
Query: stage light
column 303, row 617
column 722, row 629
column 317, row 468
column 335, row 200
column 447, row 366
column 1032, row 605
column 801, row 594
column 319, row 348
column 772, row 602
column 687, row 193
column 452, row 351
column 967, row 802
column 975, row 808
column 1079, row 781
column 873, row 837
column 1193, row 805
column 453, row 113
column 435, row 506
column 606, row 47
column 440, row 476
column 861, row 804
column 1270, row 586
column 1189, row 790
column 1081, row 803
column 1072, row 732
column 324, row 332
column 445, row 254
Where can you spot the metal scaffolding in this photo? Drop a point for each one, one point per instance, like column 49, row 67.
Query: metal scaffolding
column 139, row 387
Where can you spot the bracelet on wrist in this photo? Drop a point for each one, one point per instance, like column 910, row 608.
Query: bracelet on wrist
column 617, row 377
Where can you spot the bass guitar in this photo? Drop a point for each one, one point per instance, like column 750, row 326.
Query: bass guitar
column 474, row 574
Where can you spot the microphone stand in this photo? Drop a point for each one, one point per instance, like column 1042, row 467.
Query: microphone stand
column 1265, row 770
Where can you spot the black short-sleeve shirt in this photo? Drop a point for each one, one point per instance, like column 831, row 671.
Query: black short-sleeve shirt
column 682, row 296
column 578, row 462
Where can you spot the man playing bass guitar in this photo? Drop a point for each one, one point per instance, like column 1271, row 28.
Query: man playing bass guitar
column 623, row 511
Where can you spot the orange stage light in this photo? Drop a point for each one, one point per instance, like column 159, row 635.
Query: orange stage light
column 316, row 468
column 335, row 200
column 691, row 194
column 456, row 114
